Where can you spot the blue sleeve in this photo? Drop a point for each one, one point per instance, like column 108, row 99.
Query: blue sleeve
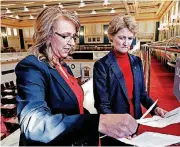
column 37, row 123
column 101, row 95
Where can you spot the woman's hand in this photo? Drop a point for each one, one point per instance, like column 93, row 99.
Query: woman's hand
column 117, row 125
column 160, row 112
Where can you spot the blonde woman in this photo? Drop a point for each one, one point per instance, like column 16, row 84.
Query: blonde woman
column 118, row 77
column 50, row 100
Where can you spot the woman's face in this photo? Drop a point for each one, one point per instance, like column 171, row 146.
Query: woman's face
column 122, row 40
column 63, row 39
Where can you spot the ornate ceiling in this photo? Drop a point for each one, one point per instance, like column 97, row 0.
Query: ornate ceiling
column 141, row 9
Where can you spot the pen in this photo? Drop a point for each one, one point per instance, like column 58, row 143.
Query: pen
column 147, row 112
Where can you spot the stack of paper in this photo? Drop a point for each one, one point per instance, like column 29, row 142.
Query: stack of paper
column 171, row 117
column 150, row 139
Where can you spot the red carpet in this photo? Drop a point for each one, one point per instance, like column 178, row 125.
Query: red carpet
column 161, row 88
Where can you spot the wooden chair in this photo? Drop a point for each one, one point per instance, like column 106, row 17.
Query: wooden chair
column 7, row 85
column 12, row 85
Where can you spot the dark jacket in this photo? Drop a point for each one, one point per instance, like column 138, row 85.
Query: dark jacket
column 48, row 109
column 110, row 91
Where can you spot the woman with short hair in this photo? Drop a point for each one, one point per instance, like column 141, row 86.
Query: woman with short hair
column 118, row 77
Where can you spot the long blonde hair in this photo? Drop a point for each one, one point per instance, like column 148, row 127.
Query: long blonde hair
column 44, row 29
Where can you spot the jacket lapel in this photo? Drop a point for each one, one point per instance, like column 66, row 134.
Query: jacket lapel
column 117, row 71
column 64, row 85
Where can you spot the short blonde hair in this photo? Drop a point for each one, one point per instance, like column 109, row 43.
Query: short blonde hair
column 119, row 22
column 44, row 29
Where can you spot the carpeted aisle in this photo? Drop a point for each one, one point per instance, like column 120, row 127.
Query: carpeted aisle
column 161, row 85
column 161, row 88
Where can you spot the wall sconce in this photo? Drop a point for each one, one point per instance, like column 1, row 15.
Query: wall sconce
column 163, row 27
column 173, row 21
column 81, row 33
column 9, row 31
column 105, row 32
column 173, row 18
column 15, row 31
column 171, row 25
column 3, row 35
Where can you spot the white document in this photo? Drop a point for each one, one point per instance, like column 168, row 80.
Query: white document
column 150, row 139
column 171, row 117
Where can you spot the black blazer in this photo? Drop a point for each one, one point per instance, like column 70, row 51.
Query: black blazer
column 110, row 92
column 48, row 109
